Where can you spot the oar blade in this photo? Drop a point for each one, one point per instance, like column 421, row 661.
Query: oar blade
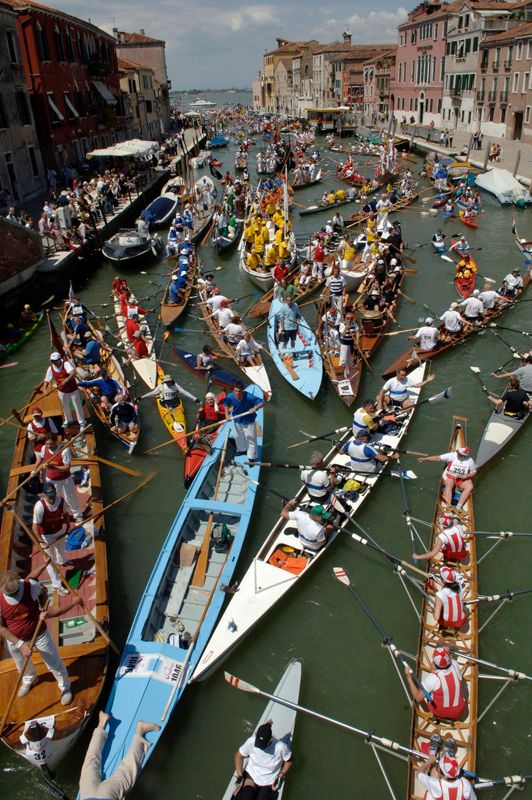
column 341, row 575
column 445, row 395
column 244, row 686
column 476, row 370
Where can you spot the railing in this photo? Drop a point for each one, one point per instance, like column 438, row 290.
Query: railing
column 508, row 64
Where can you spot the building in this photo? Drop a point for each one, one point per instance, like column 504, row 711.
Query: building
column 257, row 89
column 324, row 73
column 348, row 73
column 379, row 73
column 140, row 88
column 303, row 78
column 467, row 26
column 71, row 75
column 284, row 96
column 420, row 64
column 22, row 174
column 271, row 59
column 141, row 49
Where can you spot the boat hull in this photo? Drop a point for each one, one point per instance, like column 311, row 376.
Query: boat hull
column 499, row 431
column 301, row 366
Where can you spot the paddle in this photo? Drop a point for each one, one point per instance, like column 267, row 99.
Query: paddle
column 408, row 474
column 476, row 371
column 407, row 297
column 341, row 576
column 513, row 673
column 8, row 366
column 408, row 519
column 493, row 598
column 512, row 330
column 317, row 438
column 512, row 349
column 500, row 534
column 80, row 461
column 36, row 400
column 201, row 430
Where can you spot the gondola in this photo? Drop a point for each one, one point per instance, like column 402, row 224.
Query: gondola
column 129, row 249
column 171, row 311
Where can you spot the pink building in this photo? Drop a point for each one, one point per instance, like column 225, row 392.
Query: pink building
column 417, row 90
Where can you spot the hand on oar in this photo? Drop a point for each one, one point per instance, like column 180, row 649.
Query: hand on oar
column 408, row 474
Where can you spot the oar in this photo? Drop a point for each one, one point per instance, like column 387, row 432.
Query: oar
column 8, row 366
column 512, row 349
column 408, row 519
column 341, row 576
column 52, row 788
column 500, row 534
column 510, row 780
column 407, row 474
column 317, row 438
column 513, row 673
column 398, row 333
column 407, row 297
column 512, row 330
column 36, row 400
column 201, row 430
column 476, row 371
column 493, row 598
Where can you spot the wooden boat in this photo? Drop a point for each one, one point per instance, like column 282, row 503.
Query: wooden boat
column 171, row 311
column 499, row 430
column 184, row 594
column 281, row 561
column 161, row 211
column 283, row 718
column 83, row 649
column 300, row 365
column 263, row 277
column 199, row 447
column 424, row 725
column 305, row 184
column 219, row 375
column 255, row 374
column 471, row 223
column 224, row 243
column 146, row 368
column 319, row 208
column 524, row 245
column 345, row 388
column 173, row 418
column 130, row 249
column 403, row 202
column 262, row 305
column 413, row 355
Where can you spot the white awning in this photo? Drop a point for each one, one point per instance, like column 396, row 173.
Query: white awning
column 54, row 108
column 70, row 106
column 132, row 147
column 105, row 93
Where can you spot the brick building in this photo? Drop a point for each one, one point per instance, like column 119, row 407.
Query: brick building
column 139, row 86
column 379, row 73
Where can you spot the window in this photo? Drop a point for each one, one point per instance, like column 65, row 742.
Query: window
column 527, row 114
column 33, row 161
column 469, row 118
column 145, row 82
column 23, row 107
column 529, row 50
column 515, row 84
column 59, row 44
column 475, row 44
column 149, row 107
column 69, row 45
column 518, row 51
column 435, row 30
column 524, row 84
column 132, row 86
column 80, row 103
column 530, row 80
column 439, row 106
column 12, row 48
column 467, row 46
column 3, row 115
column 497, row 59
column 510, row 53
column 503, row 114
column 42, row 43
column 442, row 69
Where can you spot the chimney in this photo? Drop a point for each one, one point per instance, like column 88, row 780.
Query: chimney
column 141, row 31
column 347, row 37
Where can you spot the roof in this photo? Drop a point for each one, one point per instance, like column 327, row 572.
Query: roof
column 288, row 47
column 362, row 52
column 126, row 64
column 429, row 11
column 28, row 5
column 136, row 38
column 390, row 52
column 522, row 29
column 334, row 47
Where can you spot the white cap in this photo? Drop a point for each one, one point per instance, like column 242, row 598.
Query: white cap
column 55, row 357
column 476, row 293
column 429, row 320
column 393, row 262
column 453, row 306
column 77, row 310
column 174, row 277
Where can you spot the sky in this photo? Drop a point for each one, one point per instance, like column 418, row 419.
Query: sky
column 219, row 44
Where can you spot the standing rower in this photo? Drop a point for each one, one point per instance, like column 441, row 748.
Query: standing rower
column 239, row 402
column 57, row 471
column 51, row 523
column 63, row 374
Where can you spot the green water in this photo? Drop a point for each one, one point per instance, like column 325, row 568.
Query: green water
column 346, row 672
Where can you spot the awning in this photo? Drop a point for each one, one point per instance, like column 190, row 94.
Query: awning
column 105, row 93
column 70, row 106
column 132, row 147
column 54, row 108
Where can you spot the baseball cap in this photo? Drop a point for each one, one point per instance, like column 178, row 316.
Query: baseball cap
column 319, row 511
column 174, row 277
column 429, row 320
column 224, row 303
column 49, row 488
column 441, row 657
column 464, row 451
column 55, row 357
column 263, row 736
column 453, row 306
column 475, row 292
column 77, row 310
column 448, row 574
column 167, row 378
column 36, row 410
column 87, row 334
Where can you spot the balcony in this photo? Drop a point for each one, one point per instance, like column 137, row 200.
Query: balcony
column 495, row 66
column 492, row 97
column 480, row 96
column 456, row 97
column 484, row 67
column 503, row 97
column 508, row 65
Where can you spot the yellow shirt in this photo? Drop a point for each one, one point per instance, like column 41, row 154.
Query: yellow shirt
column 270, row 209
column 340, row 194
column 348, row 252
column 278, row 219
column 249, row 233
column 331, row 197
column 265, row 234
column 270, row 259
column 278, row 236
column 253, row 261
column 283, row 250
column 258, row 246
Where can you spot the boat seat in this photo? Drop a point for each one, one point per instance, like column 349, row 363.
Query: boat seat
column 179, row 590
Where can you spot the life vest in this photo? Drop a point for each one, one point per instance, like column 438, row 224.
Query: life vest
column 170, row 393
column 140, row 348
column 453, row 790
column 21, row 619
column 290, row 563
column 39, row 430
column 67, row 379
column 53, row 474
column 449, row 701
column 454, row 548
column 453, row 613
column 53, row 518
column 215, row 412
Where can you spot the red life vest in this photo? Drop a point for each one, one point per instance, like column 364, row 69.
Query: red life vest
column 67, row 380
column 39, row 430
column 53, row 519
column 132, row 311
column 21, row 619
column 319, row 254
column 131, row 328
column 452, row 790
column 53, row 474
column 453, row 613
column 141, row 351
column 454, row 548
column 210, row 413
column 123, row 303
column 449, row 701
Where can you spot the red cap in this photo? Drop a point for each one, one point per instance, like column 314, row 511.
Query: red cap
column 464, row 451
column 36, row 410
column 224, row 303
column 446, row 520
column 449, row 766
column 441, row 657
column 448, row 575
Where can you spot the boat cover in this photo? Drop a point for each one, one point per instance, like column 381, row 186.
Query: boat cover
column 502, row 184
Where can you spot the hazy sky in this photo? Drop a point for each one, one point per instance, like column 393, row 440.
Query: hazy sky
column 218, row 44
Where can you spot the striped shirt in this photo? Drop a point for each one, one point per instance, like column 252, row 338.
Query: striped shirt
column 336, row 284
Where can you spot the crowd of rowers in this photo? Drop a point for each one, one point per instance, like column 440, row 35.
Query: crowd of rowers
column 267, row 233
column 230, row 213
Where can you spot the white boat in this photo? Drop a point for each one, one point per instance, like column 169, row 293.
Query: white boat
column 175, row 185
column 199, row 103
column 146, row 368
column 502, row 185
column 267, row 580
column 499, row 429
column 283, row 718
column 264, row 277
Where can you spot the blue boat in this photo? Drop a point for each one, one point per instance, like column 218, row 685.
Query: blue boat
column 218, row 141
column 302, row 365
column 161, row 211
column 184, row 595
column 219, row 375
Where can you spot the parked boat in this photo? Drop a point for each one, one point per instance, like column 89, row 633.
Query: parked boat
column 184, row 595
column 161, row 211
column 499, row 431
column 12, row 347
column 173, row 418
column 129, row 249
column 82, row 647
column 175, row 185
column 219, row 375
column 424, row 724
column 301, row 366
column 146, row 368
column 282, row 562
column 283, row 718
column 218, row 141
column 171, row 311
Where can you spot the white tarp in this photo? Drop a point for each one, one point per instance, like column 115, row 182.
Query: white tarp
column 502, row 184
column 128, row 149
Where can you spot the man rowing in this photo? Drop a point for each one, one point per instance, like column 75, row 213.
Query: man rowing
column 169, row 393
column 63, row 374
column 442, row 779
column 57, row 460
column 364, row 456
column 514, row 402
column 445, row 684
column 396, row 390
column 269, row 759
column 348, row 335
column 426, row 337
column 312, row 528
column 318, row 480
column 453, row 322
column 473, row 308
column 51, row 523
column 123, row 416
column 512, row 284
column 364, row 418
column 461, row 246
column 38, row 427
column 490, row 298
column 107, row 388
column 458, row 473
column 240, row 401
column 449, row 609
column 450, row 541
column 522, row 373
column 248, row 351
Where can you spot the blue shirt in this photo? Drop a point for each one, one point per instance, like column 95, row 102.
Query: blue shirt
column 92, row 352
column 240, row 406
column 173, row 292
column 108, row 386
column 290, row 316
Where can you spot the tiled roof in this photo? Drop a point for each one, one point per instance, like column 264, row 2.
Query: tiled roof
column 288, row 47
column 137, row 38
column 391, row 52
column 125, row 63
column 20, row 5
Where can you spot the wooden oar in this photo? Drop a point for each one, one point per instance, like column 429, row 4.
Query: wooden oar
column 20, row 411
column 8, row 366
column 140, row 485
column 36, row 540
column 410, row 299
column 80, row 462
column 201, row 430
column 398, row 333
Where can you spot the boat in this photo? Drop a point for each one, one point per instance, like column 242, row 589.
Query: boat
column 263, row 277
column 464, row 286
column 146, row 368
column 524, row 245
column 173, row 418
column 224, row 243
column 171, row 311
column 499, row 431
column 199, row 103
column 281, row 561
column 175, row 185
column 199, row 446
column 283, row 718
column 255, row 374
column 11, row 347
column 217, row 141
column 161, row 211
column 471, row 223
column 319, row 208
column 301, row 366
column 305, row 184
column 424, row 725
column 262, row 305
column 413, row 356
column 82, row 647
column 502, row 185
column 128, row 248
column 219, row 375
column 363, row 215
column 184, row 594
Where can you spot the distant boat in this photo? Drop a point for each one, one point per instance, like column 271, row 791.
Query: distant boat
column 199, row 103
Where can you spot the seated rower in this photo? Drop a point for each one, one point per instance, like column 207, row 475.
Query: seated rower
column 205, row 359
column 515, row 401
column 140, row 345
column 453, row 322
column 169, row 393
column 461, row 246
column 522, row 373
column 512, row 283
column 364, row 418
column 28, row 318
column 79, row 328
column 233, row 332
column 445, row 684
column 365, row 457
column 490, row 298
column 90, row 356
column 426, row 337
column 449, row 609
column 123, row 416
column 107, row 387
column 177, row 289
column 268, row 761
column 473, row 308
column 311, row 530
column 458, row 474
column 396, row 390
column 248, row 351
column 444, row 779
column 450, row 541
column 318, row 480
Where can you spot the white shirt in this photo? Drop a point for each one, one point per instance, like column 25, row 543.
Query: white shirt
column 13, row 600
column 215, row 302
column 513, row 281
column 427, row 336
column 398, row 390
column 311, row 533
column 316, row 481
column 432, row 681
column 265, row 765
column 34, row 425
column 452, row 321
column 225, row 316
column 439, row 788
column 49, row 377
column 234, row 330
column 458, row 467
column 489, row 297
column 38, row 510
column 39, row 753
column 472, row 307
column 244, row 348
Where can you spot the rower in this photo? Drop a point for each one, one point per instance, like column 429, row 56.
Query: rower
column 107, row 388
column 233, row 332
column 365, row 457
column 140, row 345
column 346, row 251
column 63, row 374
column 512, row 283
column 445, row 683
column 490, row 298
column 214, row 302
column 269, row 759
column 225, row 315
column 57, row 471
column 289, row 318
column 205, row 359
column 396, row 390
column 449, row 609
column 79, row 328
column 515, row 401
column 452, row 321
column 212, row 409
column 169, row 393
column 51, row 523
column 92, row 353
column 133, row 307
column 28, row 318
column 458, row 473
column 427, row 336
column 364, row 418
column 248, row 351
column 38, row 427
column 442, row 780
column 177, row 288
column 123, row 416
column 243, row 404
column 173, row 241
column 438, row 237
column 522, row 373
column 473, row 308
column 348, row 334
column 450, row 541
column 461, row 246
column 337, row 288
column 311, row 530
column 318, row 480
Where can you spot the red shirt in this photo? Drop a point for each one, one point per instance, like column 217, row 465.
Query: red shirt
column 22, row 618
column 139, row 346
column 131, row 327
column 280, row 272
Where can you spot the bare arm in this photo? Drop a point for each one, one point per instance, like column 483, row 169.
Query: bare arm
column 239, row 763
column 431, row 554
column 416, row 693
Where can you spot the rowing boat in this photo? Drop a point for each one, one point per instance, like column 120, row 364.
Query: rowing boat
column 173, row 418
column 82, row 648
column 263, row 276
column 317, row 209
column 300, row 365
column 414, row 355
column 183, row 596
column 500, row 429
column 524, row 245
column 199, row 446
column 11, row 347
column 283, row 718
column 146, row 367
column 304, row 184
column 171, row 311
column 281, row 561
column 472, row 223
column 303, row 290
column 424, row 725
column 362, row 215
column 219, row 375
column 255, row 373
